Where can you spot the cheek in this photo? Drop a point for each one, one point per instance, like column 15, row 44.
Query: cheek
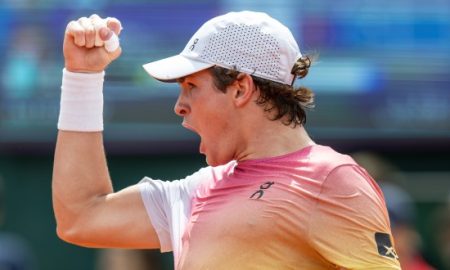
column 216, row 127
column 215, row 115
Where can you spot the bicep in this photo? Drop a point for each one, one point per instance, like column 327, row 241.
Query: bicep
column 116, row 220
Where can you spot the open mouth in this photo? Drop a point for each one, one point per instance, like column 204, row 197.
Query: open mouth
column 201, row 146
column 186, row 125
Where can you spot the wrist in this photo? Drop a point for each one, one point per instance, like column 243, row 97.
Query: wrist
column 81, row 107
column 71, row 69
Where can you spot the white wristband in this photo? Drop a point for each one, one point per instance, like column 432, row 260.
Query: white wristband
column 81, row 106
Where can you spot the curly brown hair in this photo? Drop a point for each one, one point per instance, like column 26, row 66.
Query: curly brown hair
column 289, row 102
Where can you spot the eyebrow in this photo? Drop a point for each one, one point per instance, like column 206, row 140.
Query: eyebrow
column 181, row 80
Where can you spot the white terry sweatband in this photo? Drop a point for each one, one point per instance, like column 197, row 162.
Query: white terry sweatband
column 81, row 107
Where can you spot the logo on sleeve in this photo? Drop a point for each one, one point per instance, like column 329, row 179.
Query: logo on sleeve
column 384, row 245
column 259, row 193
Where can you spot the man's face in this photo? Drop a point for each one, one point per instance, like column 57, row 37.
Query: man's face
column 208, row 112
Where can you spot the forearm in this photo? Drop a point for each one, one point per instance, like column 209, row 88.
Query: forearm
column 80, row 171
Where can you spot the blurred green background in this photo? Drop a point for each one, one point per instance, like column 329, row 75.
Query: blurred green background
column 382, row 87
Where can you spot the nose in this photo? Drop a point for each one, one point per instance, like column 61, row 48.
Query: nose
column 181, row 107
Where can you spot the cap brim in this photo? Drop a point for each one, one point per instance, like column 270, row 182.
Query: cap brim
column 172, row 68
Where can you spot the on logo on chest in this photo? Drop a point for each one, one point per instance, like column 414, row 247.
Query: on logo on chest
column 262, row 188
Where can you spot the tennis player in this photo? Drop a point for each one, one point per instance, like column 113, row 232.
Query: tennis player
column 271, row 198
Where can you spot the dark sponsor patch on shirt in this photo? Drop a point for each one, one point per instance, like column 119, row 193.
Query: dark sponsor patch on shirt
column 384, row 245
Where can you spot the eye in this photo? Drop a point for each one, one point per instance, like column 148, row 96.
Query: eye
column 190, row 86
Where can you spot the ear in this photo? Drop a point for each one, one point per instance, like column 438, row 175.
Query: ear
column 243, row 89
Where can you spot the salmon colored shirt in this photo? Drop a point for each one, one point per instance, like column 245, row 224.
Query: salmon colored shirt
column 311, row 209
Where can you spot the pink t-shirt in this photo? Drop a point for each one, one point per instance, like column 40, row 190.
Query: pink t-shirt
column 311, row 209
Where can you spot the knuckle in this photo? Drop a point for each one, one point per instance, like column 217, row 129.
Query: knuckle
column 71, row 23
column 71, row 26
column 78, row 32
column 83, row 19
column 94, row 16
column 79, row 37
column 80, row 42
column 112, row 19
column 90, row 32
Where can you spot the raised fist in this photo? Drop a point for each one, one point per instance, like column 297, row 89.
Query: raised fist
column 90, row 44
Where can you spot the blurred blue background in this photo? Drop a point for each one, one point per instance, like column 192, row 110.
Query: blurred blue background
column 382, row 85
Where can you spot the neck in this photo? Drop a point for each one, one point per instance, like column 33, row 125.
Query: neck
column 273, row 140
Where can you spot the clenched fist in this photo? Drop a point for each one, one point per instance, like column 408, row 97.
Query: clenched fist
column 84, row 44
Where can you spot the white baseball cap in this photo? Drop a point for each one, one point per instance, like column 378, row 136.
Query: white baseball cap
column 250, row 42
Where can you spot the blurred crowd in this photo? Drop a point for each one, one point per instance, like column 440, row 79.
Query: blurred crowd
column 15, row 252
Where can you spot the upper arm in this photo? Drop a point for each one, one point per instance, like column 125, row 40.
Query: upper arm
column 87, row 210
column 114, row 220
column 349, row 215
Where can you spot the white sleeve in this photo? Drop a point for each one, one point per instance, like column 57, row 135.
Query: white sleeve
column 168, row 205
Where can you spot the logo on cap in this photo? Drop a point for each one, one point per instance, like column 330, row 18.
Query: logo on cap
column 384, row 245
column 192, row 47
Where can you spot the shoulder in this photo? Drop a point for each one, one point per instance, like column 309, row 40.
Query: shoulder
column 352, row 181
column 350, row 209
column 323, row 160
column 341, row 173
column 342, row 176
column 326, row 158
column 348, row 188
column 189, row 184
column 210, row 176
column 351, row 195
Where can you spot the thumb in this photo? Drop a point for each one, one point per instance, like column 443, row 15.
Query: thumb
column 110, row 38
column 114, row 24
